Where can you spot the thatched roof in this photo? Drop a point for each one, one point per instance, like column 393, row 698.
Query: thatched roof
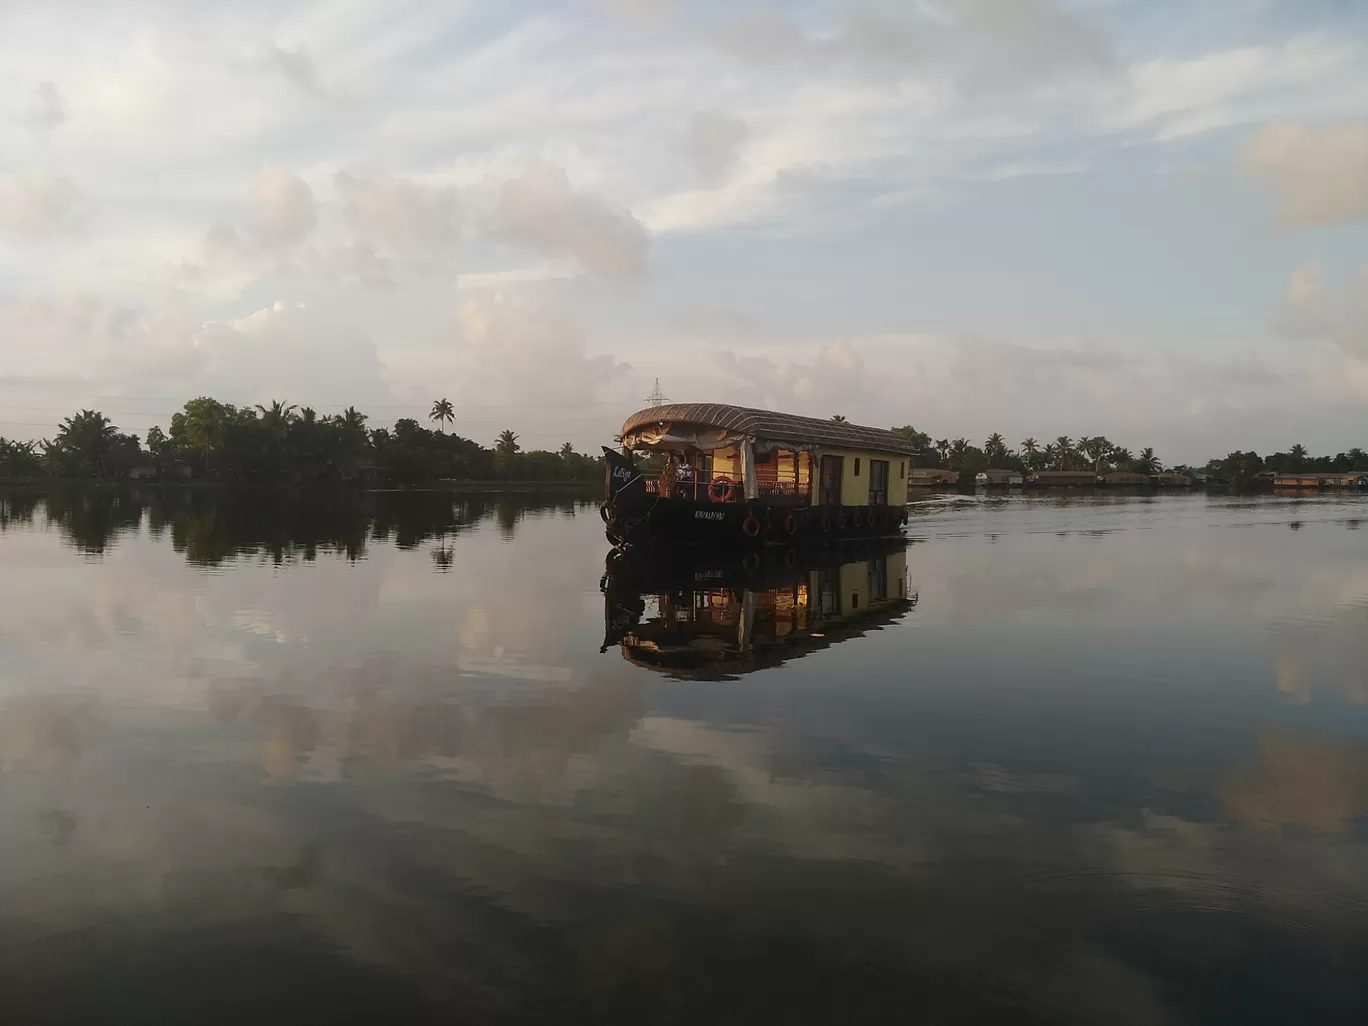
column 771, row 426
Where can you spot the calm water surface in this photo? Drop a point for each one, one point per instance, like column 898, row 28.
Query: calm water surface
column 415, row 758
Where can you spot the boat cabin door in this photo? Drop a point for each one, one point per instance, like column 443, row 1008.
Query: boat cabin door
column 833, row 470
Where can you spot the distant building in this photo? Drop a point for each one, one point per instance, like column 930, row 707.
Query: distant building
column 1169, row 479
column 1126, row 479
column 932, row 477
column 143, row 474
column 994, row 478
column 1061, row 479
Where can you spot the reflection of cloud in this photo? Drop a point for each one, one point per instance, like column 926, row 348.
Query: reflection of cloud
column 1301, row 782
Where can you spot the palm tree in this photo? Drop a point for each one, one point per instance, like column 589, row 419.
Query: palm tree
column 995, row 449
column 1298, row 455
column 1121, row 458
column 1030, row 453
column 1096, row 449
column 838, row 418
column 943, row 449
column 1064, row 451
column 1146, row 462
column 566, row 451
column 506, row 448
column 278, row 414
column 88, row 435
column 443, row 413
column 959, row 448
column 353, row 421
column 308, row 415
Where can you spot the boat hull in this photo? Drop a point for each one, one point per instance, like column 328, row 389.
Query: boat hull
column 648, row 519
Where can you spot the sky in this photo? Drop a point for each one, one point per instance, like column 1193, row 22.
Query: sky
column 1140, row 218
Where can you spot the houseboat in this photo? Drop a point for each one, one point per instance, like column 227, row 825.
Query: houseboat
column 734, row 475
column 1322, row 480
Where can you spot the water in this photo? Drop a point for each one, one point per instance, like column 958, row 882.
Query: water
column 401, row 759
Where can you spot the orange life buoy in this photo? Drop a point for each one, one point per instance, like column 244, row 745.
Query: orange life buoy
column 719, row 489
column 751, row 526
column 791, row 524
column 751, row 563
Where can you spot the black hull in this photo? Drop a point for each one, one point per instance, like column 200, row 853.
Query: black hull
column 646, row 519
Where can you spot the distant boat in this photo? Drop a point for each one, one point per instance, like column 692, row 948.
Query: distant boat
column 730, row 474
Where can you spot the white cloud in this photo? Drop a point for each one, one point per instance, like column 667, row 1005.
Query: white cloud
column 1319, row 173
column 46, row 110
column 284, row 211
column 714, row 141
column 1314, row 311
column 529, row 350
column 542, row 211
column 980, row 46
column 37, row 207
column 400, row 217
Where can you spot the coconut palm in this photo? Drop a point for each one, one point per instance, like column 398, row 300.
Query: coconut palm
column 1096, row 450
column 1146, row 462
column 1063, row 452
column 943, row 449
column 995, row 449
column 1030, row 453
column 838, row 418
column 566, row 451
column 959, row 448
column 278, row 415
column 443, row 413
column 1298, row 455
column 89, row 436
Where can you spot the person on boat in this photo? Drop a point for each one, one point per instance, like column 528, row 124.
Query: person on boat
column 685, row 476
column 669, row 475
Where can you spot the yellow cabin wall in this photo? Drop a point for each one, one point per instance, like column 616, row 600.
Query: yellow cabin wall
column 855, row 490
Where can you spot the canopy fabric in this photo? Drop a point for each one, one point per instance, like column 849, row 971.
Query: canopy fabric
column 699, row 421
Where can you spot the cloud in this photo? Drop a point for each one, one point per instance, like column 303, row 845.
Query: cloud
column 645, row 12
column 46, row 110
column 530, row 351
column 400, row 217
column 1320, row 174
column 294, row 66
column 1313, row 311
column 714, row 143
column 542, row 211
column 981, row 46
column 36, row 207
column 284, row 210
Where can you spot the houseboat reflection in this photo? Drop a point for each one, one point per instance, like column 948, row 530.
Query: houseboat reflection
column 720, row 615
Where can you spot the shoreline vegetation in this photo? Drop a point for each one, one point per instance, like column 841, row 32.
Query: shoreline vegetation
column 214, row 443
column 1099, row 455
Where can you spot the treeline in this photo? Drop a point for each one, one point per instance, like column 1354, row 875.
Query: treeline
column 1103, row 456
column 283, row 444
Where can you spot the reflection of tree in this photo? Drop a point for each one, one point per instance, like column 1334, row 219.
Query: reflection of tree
column 16, row 510
column 1301, row 782
column 92, row 520
column 212, row 527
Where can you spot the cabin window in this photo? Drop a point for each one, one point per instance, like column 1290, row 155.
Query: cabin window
column 857, row 466
column 878, row 482
column 854, row 600
column 902, row 470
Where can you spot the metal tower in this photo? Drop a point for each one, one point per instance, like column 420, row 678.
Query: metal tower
column 657, row 397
